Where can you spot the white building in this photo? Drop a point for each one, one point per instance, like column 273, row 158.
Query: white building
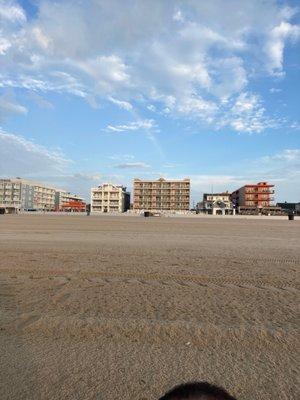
column 109, row 198
column 216, row 204
column 10, row 195
column 21, row 194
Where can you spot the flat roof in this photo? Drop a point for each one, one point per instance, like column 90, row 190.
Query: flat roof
column 162, row 180
column 217, row 194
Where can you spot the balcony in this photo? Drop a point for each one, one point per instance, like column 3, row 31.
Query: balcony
column 259, row 191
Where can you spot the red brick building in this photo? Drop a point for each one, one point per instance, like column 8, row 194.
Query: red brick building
column 65, row 201
column 74, row 206
column 258, row 196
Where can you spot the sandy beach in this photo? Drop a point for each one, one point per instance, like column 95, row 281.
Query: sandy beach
column 109, row 308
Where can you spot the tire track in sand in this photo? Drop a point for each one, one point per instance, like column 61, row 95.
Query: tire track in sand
column 188, row 280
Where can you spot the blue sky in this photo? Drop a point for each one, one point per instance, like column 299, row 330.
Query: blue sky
column 95, row 91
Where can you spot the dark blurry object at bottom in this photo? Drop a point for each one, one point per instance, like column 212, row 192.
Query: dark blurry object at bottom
column 197, row 391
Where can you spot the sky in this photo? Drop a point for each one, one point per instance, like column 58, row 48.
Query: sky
column 95, row 91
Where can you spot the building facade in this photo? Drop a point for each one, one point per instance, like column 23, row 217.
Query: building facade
column 43, row 196
column 109, row 198
column 25, row 195
column 217, row 204
column 20, row 194
column 290, row 208
column 65, row 201
column 10, row 195
column 257, row 196
column 161, row 195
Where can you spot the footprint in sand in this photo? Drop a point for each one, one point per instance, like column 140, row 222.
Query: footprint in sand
column 62, row 298
column 26, row 320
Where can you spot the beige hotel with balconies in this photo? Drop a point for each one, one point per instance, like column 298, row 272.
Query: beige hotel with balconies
column 161, row 195
column 109, row 198
column 21, row 194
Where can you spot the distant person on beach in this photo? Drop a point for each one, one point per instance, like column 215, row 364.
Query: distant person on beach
column 197, row 391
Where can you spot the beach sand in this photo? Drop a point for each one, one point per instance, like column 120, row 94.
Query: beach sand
column 109, row 307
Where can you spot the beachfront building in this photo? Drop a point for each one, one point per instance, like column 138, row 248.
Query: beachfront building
column 290, row 208
column 253, row 196
column 10, row 195
column 109, row 198
column 65, row 201
column 21, row 194
column 217, row 204
column 37, row 196
column 161, row 195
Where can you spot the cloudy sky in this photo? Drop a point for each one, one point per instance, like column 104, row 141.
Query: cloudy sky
column 95, row 90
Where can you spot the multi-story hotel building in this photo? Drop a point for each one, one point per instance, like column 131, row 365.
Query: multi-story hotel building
column 25, row 195
column 20, row 194
column 161, row 195
column 109, row 198
column 258, row 196
column 43, row 196
column 65, row 201
column 10, row 194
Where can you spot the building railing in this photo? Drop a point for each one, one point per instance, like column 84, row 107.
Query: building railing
column 259, row 191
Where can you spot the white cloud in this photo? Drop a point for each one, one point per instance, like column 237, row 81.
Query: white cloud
column 196, row 105
column 132, row 165
column 151, row 107
column 180, row 57
column 40, row 101
column 216, row 180
column 295, row 125
column 247, row 114
column 85, row 176
column 245, row 103
column 275, row 44
column 145, row 124
column 121, row 157
column 42, row 40
column 108, row 72
column 122, row 104
column 230, row 77
column 4, row 45
column 170, row 165
column 10, row 10
column 275, row 90
column 79, row 182
column 177, row 16
column 286, row 156
column 8, row 106
column 282, row 168
column 196, row 73
column 62, row 83
column 207, row 183
column 22, row 157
